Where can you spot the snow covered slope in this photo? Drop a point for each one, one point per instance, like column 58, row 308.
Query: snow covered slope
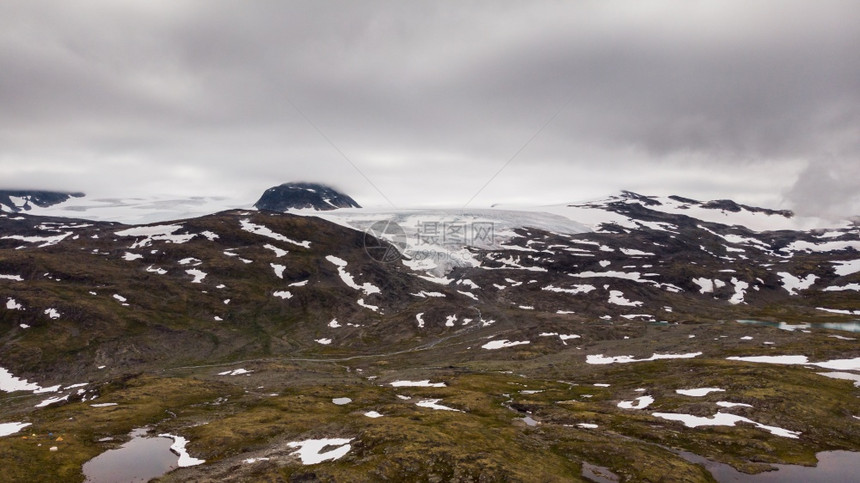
column 615, row 209
column 438, row 240
column 139, row 210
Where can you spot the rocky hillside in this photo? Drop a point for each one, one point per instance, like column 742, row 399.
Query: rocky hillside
column 654, row 337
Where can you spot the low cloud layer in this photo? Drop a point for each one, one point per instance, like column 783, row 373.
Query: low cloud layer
column 718, row 99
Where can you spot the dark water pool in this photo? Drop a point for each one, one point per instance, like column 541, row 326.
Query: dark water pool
column 139, row 460
column 832, row 467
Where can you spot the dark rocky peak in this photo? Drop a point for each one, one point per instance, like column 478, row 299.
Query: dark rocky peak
column 304, row 196
column 18, row 200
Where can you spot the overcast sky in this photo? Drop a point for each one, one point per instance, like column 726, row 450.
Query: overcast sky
column 422, row 103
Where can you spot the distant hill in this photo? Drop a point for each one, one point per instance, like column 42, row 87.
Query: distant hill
column 304, row 196
column 18, row 200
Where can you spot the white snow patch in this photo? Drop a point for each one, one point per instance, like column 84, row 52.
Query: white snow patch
column 103, row 405
column 420, row 318
column 284, row 294
column 323, row 341
column 10, row 383
column 178, row 447
column 724, row 419
column 309, row 450
column 727, row 404
column 45, row 241
column 334, row 324
column 617, row 297
column 374, row 308
column 706, row 285
column 278, row 252
column 851, row 286
column 576, row 289
column 235, row 372
column 298, row 284
column 836, row 364
column 198, row 275
column 843, row 375
column 587, row 425
column 805, row 246
column 792, row 284
column 373, row 414
column 740, row 291
column 699, row 392
column 634, row 252
column 53, row 314
column 130, row 257
column 839, row 311
column 468, row 294
column 279, row 269
column 11, row 304
column 341, row 401
column 159, row 271
column 846, row 267
column 251, row 461
column 433, row 404
column 501, row 344
column 14, row 278
column 11, row 428
column 468, row 283
column 640, row 402
column 149, row 234
column 267, row 232
column 367, row 287
column 119, row 297
column 601, row 359
column 52, row 400
column 424, row 383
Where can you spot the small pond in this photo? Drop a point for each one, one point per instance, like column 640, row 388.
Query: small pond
column 832, row 467
column 138, row 460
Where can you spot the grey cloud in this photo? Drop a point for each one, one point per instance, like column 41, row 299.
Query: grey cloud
column 208, row 91
column 827, row 186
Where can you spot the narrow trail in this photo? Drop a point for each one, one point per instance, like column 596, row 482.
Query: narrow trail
column 419, row 348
